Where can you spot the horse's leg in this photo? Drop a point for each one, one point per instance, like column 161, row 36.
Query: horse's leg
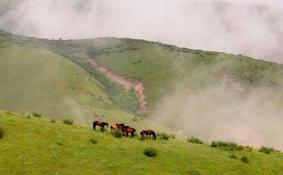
column 94, row 125
column 102, row 128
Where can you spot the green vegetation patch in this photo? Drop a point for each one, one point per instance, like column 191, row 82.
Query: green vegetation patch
column 49, row 148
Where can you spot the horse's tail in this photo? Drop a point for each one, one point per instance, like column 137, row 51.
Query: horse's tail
column 154, row 135
column 94, row 125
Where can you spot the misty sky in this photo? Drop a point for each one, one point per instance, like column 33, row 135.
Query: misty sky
column 248, row 27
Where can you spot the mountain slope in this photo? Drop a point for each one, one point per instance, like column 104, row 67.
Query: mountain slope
column 37, row 146
column 206, row 94
column 36, row 80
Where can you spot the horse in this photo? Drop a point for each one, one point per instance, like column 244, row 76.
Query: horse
column 116, row 126
column 113, row 127
column 126, row 130
column 99, row 123
column 148, row 133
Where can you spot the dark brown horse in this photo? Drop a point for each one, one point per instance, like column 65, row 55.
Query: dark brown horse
column 99, row 123
column 128, row 130
column 148, row 134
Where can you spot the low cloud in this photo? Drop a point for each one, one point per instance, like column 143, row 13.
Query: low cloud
column 253, row 28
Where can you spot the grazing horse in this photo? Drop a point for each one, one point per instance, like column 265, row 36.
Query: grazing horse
column 116, row 126
column 126, row 130
column 99, row 123
column 148, row 133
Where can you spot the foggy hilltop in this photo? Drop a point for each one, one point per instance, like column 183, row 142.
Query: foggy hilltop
column 249, row 27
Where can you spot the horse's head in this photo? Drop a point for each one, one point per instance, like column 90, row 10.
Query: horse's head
column 106, row 124
column 134, row 130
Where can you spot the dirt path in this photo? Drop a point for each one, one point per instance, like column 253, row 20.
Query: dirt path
column 127, row 83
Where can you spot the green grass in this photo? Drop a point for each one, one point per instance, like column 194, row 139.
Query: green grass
column 36, row 80
column 162, row 67
column 37, row 146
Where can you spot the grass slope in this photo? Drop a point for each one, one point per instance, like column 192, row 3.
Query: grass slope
column 35, row 79
column 37, row 146
column 164, row 68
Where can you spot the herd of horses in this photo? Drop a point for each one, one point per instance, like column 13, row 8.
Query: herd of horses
column 126, row 130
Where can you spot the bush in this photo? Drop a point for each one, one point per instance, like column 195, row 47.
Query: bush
column 249, row 148
column 118, row 133
column 53, row 121
column 93, row 141
column 36, row 114
column 2, row 132
column 195, row 140
column 229, row 146
column 266, row 150
column 59, row 143
column 68, row 121
column 150, row 152
column 172, row 136
column 163, row 136
column 245, row 159
column 194, row 172
column 233, row 156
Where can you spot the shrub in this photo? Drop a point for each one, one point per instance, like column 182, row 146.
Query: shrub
column 194, row 172
column 93, row 141
column 53, row 121
column 36, row 114
column 245, row 159
column 266, row 150
column 68, row 121
column 2, row 132
column 229, row 146
column 195, row 140
column 59, row 143
column 118, row 133
column 163, row 136
column 249, row 148
column 233, row 156
column 172, row 136
column 135, row 119
column 150, row 152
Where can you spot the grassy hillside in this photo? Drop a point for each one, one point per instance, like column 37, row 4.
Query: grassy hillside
column 195, row 70
column 35, row 79
column 186, row 90
column 37, row 146
column 164, row 68
column 207, row 94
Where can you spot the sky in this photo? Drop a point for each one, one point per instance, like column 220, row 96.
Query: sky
column 248, row 27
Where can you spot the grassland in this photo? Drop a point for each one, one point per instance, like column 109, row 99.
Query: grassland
column 196, row 70
column 164, row 68
column 38, row 146
column 36, row 80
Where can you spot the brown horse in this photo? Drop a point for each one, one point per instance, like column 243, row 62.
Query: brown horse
column 99, row 123
column 128, row 130
column 116, row 126
column 148, row 134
